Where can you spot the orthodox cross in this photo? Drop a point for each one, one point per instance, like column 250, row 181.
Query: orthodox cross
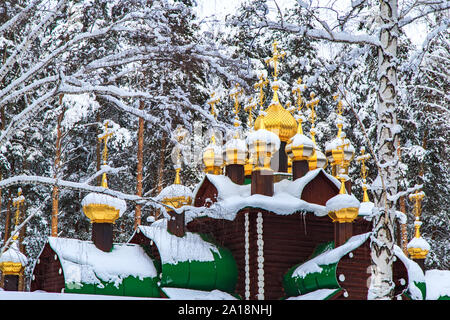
column 212, row 102
column 260, row 85
column 249, row 108
column 235, row 95
column 297, row 91
column 276, row 56
column 417, row 197
column 312, row 104
column 105, row 138
column 363, row 158
column 17, row 203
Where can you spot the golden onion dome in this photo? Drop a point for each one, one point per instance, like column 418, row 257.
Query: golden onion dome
column 235, row 150
column 12, row 261
column 317, row 160
column 343, row 208
column 176, row 194
column 299, row 147
column 418, row 247
column 279, row 121
column 213, row 157
column 102, row 208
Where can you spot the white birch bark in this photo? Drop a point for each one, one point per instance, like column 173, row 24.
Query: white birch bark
column 383, row 237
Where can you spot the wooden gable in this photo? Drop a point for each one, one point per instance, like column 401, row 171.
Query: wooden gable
column 47, row 273
column 206, row 194
column 319, row 190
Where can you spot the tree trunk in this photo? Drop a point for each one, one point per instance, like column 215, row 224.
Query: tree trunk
column 140, row 162
column 98, row 150
column 8, row 217
column 159, row 183
column 383, row 238
column 55, row 193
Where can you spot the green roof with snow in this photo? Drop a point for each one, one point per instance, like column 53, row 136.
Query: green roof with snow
column 192, row 261
column 126, row 270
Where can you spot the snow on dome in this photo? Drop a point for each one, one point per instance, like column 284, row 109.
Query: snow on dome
column 337, row 142
column 99, row 198
column 342, row 201
column 301, row 140
column 236, row 144
column 174, row 190
column 83, row 263
column 419, row 243
column 264, row 135
column 365, row 208
column 13, row 254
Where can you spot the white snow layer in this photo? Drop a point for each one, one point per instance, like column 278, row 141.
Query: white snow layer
column 83, row 262
column 342, row 201
column 438, row 283
column 301, row 140
column 174, row 190
column 189, row 294
column 173, row 249
column 286, row 200
column 264, row 135
column 419, row 243
column 99, row 198
column 330, row 256
column 13, row 254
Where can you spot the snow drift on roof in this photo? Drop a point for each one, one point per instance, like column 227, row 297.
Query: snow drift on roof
column 99, row 198
column 13, row 254
column 286, row 200
column 83, row 262
column 173, row 249
column 330, row 256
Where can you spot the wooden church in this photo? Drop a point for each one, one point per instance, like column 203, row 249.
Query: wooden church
column 266, row 222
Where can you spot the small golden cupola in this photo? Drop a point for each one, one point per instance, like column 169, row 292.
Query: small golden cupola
column 235, row 149
column 99, row 207
column 12, row 261
column 317, row 159
column 299, row 146
column 212, row 153
column 276, row 118
column 418, row 247
column 176, row 195
column 339, row 151
column 364, row 173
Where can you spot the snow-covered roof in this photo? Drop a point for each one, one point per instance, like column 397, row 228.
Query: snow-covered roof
column 173, row 249
column 83, row 263
column 330, row 256
column 286, row 199
column 264, row 135
column 438, row 284
column 99, row 198
column 13, row 254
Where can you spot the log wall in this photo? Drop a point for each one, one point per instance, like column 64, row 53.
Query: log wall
column 48, row 275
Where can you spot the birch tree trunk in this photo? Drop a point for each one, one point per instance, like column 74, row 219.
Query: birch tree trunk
column 383, row 237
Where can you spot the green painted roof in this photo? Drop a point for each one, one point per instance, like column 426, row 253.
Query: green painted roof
column 191, row 261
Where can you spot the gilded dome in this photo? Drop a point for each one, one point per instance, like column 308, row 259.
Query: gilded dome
column 279, row 121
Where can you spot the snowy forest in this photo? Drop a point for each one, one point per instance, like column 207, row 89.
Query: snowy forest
column 143, row 67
